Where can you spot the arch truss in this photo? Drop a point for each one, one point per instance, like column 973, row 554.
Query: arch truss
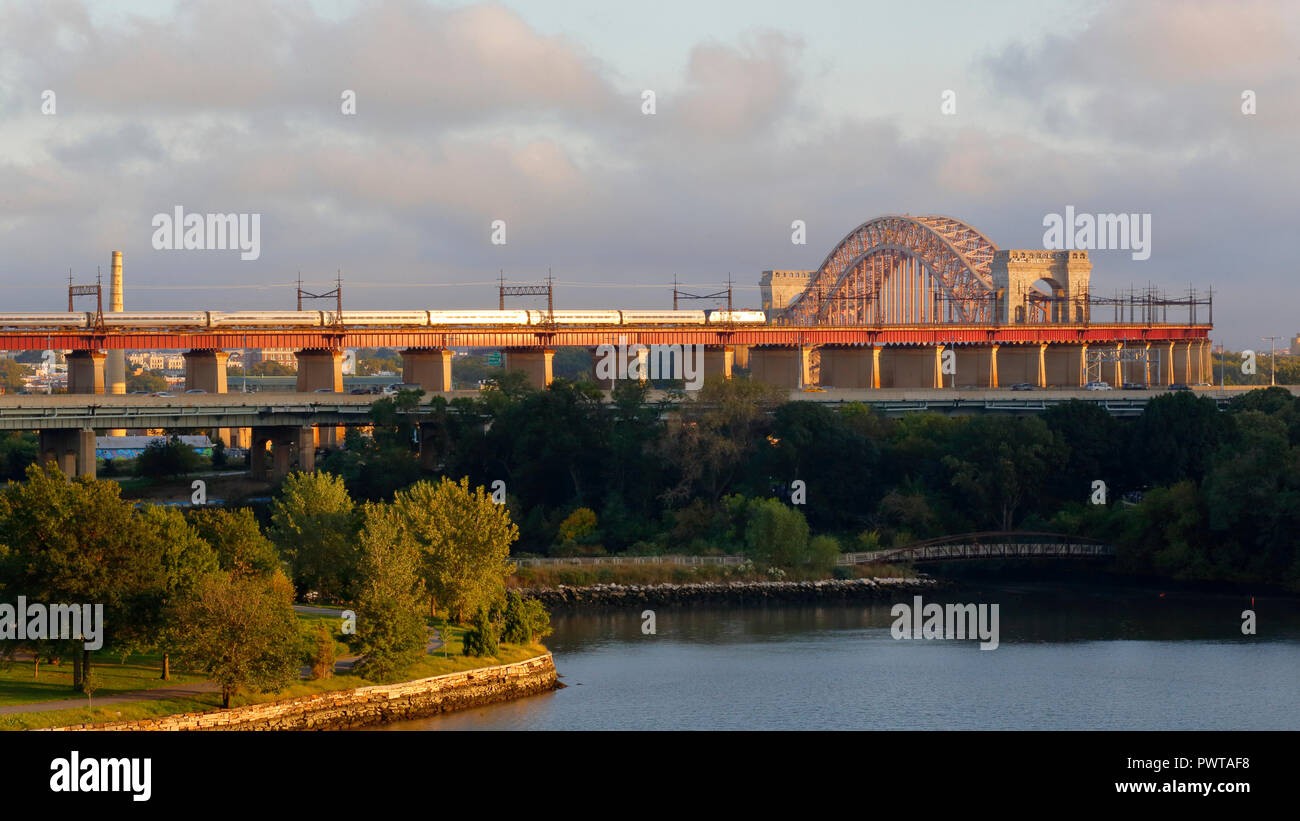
column 901, row 270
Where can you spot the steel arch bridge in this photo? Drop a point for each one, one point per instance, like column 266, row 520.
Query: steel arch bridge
column 988, row 545
column 901, row 270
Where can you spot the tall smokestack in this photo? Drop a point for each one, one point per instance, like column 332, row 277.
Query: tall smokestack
column 115, row 366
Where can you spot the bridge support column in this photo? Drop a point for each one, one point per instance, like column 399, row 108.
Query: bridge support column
column 908, row 367
column 1042, row 365
column 875, row 365
column 1117, row 378
column 1182, row 369
column 849, row 367
column 86, row 371
column 536, row 364
column 742, row 356
column 321, row 368
column 718, row 361
column 206, row 371
column 430, row 368
column 782, row 367
column 1064, row 365
column 1017, row 364
column 976, row 366
column 291, row 448
column 72, row 449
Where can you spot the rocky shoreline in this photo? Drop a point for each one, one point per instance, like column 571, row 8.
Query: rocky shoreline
column 613, row 595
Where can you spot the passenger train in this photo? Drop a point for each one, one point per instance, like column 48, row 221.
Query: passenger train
column 217, row 320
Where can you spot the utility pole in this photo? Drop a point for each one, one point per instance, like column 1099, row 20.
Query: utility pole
column 1272, row 380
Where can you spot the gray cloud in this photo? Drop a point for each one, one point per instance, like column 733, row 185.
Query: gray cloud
column 468, row 115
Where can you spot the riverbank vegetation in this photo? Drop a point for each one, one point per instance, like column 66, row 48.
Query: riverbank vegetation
column 1190, row 492
column 211, row 591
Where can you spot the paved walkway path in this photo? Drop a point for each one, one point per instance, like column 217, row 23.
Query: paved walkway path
column 343, row 665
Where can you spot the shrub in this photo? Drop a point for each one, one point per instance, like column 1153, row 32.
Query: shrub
column 481, row 638
column 322, row 657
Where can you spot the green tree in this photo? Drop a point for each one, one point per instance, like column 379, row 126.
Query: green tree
column 390, row 630
column 269, row 368
column 183, row 559
column 578, row 525
column 168, row 457
column 147, row 381
column 525, row 620
column 238, row 541
column 13, row 375
column 464, row 540
column 314, row 527
column 17, row 451
column 322, row 657
column 76, row 542
column 481, row 638
column 717, row 434
column 241, row 631
column 776, row 535
column 999, row 462
column 823, row 552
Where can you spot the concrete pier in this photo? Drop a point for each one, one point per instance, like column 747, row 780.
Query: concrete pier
column 86, row 371
column 430, row 368
column 72, row 449
column 536, row 364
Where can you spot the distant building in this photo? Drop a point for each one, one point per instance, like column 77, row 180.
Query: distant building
column 1295, row 345
column 283, row 356
column 156, row 360
column 779, row 287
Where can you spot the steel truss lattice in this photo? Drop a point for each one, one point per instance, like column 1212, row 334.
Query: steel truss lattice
column 896, row 269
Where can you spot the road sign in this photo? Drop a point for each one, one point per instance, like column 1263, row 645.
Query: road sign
column 494, row 359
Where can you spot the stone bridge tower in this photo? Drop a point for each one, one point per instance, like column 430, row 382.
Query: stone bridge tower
column 1066, row 273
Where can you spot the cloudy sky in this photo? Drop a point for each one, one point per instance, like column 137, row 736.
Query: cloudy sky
column 531, row 112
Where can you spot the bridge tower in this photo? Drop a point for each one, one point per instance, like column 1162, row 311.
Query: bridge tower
column 1067, row 275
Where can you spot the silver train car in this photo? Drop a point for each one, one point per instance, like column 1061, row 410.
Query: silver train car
column 59, row 321
column 361, row 319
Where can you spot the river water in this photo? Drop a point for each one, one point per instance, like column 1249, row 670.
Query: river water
column 1070, row 657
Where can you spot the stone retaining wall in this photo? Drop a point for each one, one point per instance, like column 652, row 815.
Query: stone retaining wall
column 613, row 595
column 343, row 709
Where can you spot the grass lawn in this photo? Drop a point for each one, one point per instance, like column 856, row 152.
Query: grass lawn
column 54, row 682
column 429, row 665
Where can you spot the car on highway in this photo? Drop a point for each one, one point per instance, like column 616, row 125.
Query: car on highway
column 323, row 390
column 403, row 386
column 1024, row 386
column 1179, row 386
column 162, row 393
column 1134, row 386
column 1097, row 386
column 196, row 390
